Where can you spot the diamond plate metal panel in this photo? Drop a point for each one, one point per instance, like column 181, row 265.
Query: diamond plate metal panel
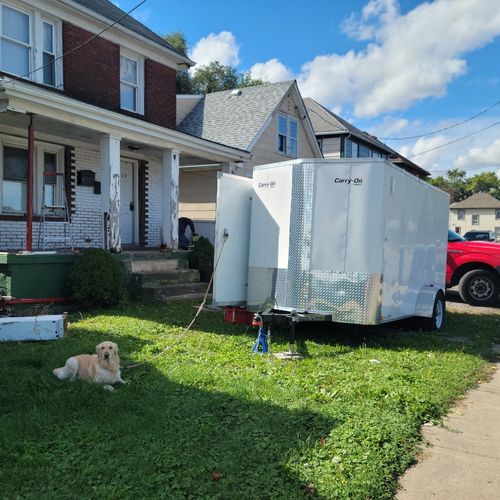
column 349, row 297
column 299, row 257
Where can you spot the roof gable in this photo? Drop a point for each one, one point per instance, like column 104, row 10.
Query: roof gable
column 235, row 117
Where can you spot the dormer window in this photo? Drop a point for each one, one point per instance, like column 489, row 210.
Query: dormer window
column 131, row 83
column 29, row 46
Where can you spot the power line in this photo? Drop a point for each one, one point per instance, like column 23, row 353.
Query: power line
column 456, row 140
column 17, row 78
column 444, row 128
column 476, row 167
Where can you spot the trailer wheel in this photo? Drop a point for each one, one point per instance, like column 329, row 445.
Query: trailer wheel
column 479, row 287
column 435, row 322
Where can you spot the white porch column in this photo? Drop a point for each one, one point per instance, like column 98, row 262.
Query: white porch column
column 170, row 226
column 110, row 191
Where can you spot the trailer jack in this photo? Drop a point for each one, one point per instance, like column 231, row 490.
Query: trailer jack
column 291, row 353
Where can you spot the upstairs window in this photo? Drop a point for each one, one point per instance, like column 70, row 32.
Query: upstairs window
column 29, row 46
column 461, row 214
column 16, row 41
column 131, row 83
column 49, row 54
column 475, row 220
column 287, row 139
column 497, row 213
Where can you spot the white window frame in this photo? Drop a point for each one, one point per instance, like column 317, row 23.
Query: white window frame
column 475, row 220
column 288, row 138
column 35, row 46
column 497, row 213
column 40, row 149
column 140, row 80
column 460, row 214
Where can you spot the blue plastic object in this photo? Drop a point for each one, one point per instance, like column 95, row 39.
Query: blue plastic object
column 261, row 341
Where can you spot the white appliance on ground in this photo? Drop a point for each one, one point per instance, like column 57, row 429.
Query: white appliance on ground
column 351, row 240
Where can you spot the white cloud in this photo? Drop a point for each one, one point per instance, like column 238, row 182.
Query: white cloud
column 271, row 71
column 407, row 57
column 462, row 148
column 486, row 156
column 220, row 47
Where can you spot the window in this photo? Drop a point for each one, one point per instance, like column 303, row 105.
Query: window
column 29, row 46
column 497, row 213
column 47, row 189
column 131, row 83
column 49, row 69
column 461, row 214
column 15, row 179
column 458, row 230
column 287, row 140
column 475, row 219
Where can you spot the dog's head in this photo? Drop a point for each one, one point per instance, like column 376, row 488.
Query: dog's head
column 107, row 353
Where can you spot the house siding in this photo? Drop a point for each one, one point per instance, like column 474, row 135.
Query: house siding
column 91, row 73
column 331, row 147
column 487, row 220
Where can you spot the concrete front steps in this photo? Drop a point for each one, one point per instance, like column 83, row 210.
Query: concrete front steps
column 162, row 277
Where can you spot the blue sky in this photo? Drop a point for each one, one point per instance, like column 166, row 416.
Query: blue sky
column 393, row 68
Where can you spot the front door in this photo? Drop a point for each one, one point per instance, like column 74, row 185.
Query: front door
column 127, row 208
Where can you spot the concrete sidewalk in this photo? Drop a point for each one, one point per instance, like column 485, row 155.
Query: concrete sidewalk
column 463, row 461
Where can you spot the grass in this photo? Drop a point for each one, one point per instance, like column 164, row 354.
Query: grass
column 211, row 420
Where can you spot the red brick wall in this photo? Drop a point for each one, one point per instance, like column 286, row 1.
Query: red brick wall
column 92, row 73
column 159, row 101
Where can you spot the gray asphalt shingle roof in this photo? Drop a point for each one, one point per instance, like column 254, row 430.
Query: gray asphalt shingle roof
column 478, row 200
column 231, row 119
column 110, row 11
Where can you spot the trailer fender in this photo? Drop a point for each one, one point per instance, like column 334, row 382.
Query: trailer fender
column 425, row 301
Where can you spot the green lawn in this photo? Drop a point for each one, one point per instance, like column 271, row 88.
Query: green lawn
column 212, row 420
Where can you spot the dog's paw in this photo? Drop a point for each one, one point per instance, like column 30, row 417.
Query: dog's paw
column 109, row 388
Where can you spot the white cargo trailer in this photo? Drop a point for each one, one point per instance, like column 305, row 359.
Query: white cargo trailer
column 351, row 240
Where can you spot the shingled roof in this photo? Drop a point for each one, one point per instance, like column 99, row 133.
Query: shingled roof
column 478, row 200
column 110, row 11
column 233, row 117
column 326, row 123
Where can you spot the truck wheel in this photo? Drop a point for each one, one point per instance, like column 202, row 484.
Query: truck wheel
column 479, row 288
column 435, row 322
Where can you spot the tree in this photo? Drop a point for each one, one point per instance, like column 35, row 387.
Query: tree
column 486, row 182
column 213, row 77
column 460, row 188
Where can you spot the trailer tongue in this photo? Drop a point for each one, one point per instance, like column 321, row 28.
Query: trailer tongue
column 355, row 241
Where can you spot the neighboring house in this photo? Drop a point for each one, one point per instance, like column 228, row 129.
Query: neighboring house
column 481, row 211
column 100, row 111
column 269, row 121
column 338, row 138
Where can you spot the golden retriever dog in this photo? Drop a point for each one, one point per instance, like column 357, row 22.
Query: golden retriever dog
column 102, row 367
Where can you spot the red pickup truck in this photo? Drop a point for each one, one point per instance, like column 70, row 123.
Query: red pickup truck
column 475, row 267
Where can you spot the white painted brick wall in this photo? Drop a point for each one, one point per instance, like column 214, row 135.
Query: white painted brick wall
column 87, row 220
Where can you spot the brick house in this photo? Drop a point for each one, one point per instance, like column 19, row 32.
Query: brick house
column 100, row 111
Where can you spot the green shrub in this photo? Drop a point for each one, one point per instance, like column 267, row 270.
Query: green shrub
column 96, row 279
column 202, row 258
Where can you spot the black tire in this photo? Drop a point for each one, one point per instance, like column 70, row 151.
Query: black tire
column 436, row 321
column 479, row 287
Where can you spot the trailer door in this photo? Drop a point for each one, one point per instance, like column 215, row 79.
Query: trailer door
column 234, row 203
